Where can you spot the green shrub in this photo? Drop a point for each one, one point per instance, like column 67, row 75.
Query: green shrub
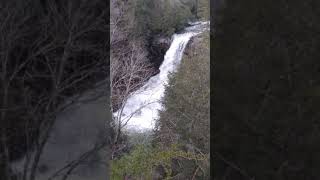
column 203, row 9
column 186, row 116
column 142, row 161
column 162, row 17
column 186, row 101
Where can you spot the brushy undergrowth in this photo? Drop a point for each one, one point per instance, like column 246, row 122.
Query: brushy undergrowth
column 144, row 159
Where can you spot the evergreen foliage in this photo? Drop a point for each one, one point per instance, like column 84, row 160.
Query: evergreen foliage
column 185, row 119
column 203, row 9
column 161, row 17
column 142, row 162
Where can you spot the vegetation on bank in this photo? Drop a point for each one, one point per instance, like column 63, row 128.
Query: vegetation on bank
column 147, row 162
column 161, row 17
column 186, row 115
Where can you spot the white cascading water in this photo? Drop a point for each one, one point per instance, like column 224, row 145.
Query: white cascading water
column 142, row 107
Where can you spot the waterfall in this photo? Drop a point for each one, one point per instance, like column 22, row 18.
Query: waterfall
column 142, row 107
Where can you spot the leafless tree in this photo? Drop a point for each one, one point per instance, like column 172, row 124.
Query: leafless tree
column 50, row 75
column 128, row 72
column 122, row 21
column 129, row 66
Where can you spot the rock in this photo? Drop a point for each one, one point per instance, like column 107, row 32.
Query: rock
column 155, row 72
column 157, row 49
column 162, row 40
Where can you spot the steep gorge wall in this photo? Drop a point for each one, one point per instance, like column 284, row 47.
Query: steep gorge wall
column 157, row 49
column 185, row 119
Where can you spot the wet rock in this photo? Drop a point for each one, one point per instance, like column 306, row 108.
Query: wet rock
column 157, row 49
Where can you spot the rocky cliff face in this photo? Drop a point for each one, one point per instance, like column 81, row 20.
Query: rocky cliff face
column 192, row 43
column 157, row 49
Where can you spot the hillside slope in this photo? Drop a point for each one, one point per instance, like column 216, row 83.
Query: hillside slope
column 186, row 117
